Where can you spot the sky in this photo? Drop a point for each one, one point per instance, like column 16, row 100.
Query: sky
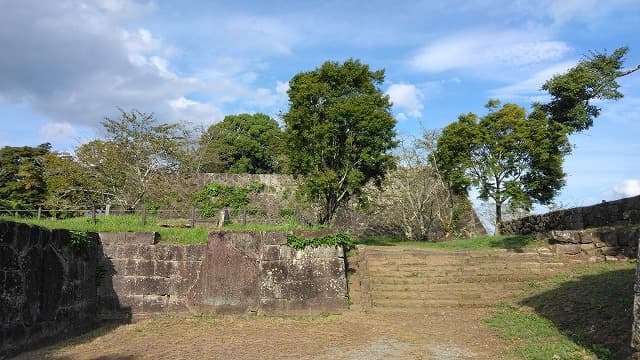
column 66, row 65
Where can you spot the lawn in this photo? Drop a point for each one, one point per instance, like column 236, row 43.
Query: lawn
column 479, row 242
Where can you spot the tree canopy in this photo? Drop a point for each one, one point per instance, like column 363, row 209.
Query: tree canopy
column 509, row 157
column 339, row 131
column 242, row 143
column 572, row 93
column 22, row 179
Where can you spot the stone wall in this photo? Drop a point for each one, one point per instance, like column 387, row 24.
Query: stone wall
column 235, row 272
column 602, row 244
column 611, row 213
column 47, row 286
column 635, row 329
column 142, row 277
column 50, row 289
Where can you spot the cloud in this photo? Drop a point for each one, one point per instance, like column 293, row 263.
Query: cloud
column 195, row 112
column 57, row 132
column 628, row 188
column 407, row 99
column 529, row 88
column 483, row 51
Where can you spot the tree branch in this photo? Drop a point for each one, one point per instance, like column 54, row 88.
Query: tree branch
column 629, row 71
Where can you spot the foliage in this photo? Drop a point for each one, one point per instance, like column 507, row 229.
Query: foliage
column 341, row 239
column 243, row 143
column 79, row 239
column 509, row 157
column 22, row 179
column 120, row 169
column 572, row 93
column 418, row 196
column 65, row 178
column 217, row 196
column 339, row 130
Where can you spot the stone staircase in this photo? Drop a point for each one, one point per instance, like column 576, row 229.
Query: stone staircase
column 414, row 279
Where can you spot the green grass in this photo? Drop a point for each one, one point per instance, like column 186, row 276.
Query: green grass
column 132, row 222
column 120, row 223
column 585, row 314
column 480, row 242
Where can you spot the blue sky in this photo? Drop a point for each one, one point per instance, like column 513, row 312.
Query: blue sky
column 65, row 65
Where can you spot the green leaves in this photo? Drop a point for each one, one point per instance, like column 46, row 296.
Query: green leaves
column 243, row 144
column 507, row 156
column 339, row 131
column 22, row 176
column 572, row 92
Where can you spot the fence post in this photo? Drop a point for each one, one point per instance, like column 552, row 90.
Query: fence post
column 244, row 217
column 144, row 215
column 193, row 218
column 93, row 214
column 39, row 212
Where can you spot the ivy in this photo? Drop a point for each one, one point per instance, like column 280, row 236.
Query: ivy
column 78, row 239
column 217, row 196
column 341, row 239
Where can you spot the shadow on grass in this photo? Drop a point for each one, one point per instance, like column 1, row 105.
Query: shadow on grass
column 595, row 311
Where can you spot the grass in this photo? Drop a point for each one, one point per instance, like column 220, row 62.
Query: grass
column 480, row 242
column 120, row 223
column 132, row 222
column 584, row 314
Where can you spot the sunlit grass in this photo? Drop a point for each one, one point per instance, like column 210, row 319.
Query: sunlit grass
column 480, row 242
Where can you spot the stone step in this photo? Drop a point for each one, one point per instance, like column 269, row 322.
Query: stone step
column 432, row 303
column 451, row 287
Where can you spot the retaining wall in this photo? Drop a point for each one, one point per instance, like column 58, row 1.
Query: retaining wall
column 235, row 272
column 50, row 289
column 47, row 286
column 609, row 213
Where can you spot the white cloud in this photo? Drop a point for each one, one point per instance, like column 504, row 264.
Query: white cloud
column 57, row 132
column 195, row 112
column 406, row 98
column 488, row 51
column 529, row 88
column 282, row 87
column 628, row 188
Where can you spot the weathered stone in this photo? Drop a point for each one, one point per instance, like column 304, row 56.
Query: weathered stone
column 568, row 249
column 565, row 236
column 609, row 251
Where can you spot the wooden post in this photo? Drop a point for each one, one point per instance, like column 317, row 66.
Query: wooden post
column 39, row 212
column 144, row 215
column 93, row 214
column 244, row 217
column 193, row 218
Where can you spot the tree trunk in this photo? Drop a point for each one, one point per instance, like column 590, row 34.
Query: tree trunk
column 498, row 218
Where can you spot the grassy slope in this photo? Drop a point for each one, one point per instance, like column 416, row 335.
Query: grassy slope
column 481, row 242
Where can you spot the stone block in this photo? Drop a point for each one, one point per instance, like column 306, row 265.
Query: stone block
column 112, row 238
column 166, row 268
column 568, row 249
column 124, row 285
column 145, row 267
column 274, row 238
column 271, row 252
column 565, row 237
column 152, row 285
column 141, row 238
column 154, row 303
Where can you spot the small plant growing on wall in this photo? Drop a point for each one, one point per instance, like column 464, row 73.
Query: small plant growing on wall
column 341, row 239
column 217, row 196
column 79, row 239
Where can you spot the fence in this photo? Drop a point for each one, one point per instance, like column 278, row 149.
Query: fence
column 186, row 217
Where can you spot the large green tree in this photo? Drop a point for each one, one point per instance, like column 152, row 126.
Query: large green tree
column 508, row 156
column 22, row 179
column 339, row 132
column 573, row 93
column 242, row 143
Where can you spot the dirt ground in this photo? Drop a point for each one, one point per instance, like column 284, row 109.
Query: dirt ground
column 447, row 333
